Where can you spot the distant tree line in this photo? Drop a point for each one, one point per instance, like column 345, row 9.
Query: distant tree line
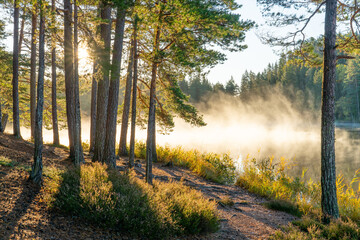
column 295, row 79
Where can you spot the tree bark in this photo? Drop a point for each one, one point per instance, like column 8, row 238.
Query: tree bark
column 15, row 81
column 36, row 172
column 126, row 108
column 329, row 203
column 4, row 120
column 93, row 107
column 150, row 142
column 78, row 151
column 133, row 105
column 103, row 85
column 33, row 71
column 357, row 99
column 110, row 139
column 22, row 25
column 69, row 73
column 1, row 126
column 56, row 139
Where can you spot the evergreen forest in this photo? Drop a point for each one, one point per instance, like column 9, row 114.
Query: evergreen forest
column 125, row 71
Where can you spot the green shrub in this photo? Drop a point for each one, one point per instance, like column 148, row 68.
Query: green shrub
column 86, row 145
column 140, row 149
column 123, row 202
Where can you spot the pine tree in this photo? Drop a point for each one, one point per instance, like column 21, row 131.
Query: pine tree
column 55, row 126
column 103, row 84
column 134, row 90
column 15, row 81
column 112, row 109
column 36, row 172
column 126, row 108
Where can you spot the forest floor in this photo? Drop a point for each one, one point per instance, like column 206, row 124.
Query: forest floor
column 23, row 214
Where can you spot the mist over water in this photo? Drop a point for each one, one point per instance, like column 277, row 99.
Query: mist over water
column 260, row 128
column 264, row 128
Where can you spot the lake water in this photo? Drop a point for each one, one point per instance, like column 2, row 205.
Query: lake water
column 347, row 152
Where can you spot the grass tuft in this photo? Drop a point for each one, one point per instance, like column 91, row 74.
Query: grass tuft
column 284, row 206
column 227, row 201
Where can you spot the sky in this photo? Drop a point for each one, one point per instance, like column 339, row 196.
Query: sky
column 258, row 55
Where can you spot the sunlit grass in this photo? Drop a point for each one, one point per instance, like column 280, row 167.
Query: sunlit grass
column 123, row 202
column 300, row 197
column 219, row 168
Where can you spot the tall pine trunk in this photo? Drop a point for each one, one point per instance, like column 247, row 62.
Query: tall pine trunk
column 15, row 81
column 110, row 139
column 36, row 172
column 69, row 73
column 93, row 107
column 103, row 84
column 79, row 156
column 133, row 104
column 72, row 104
column 151, row 132
column 56, row 139
column 22, row 25
column 33, row 70
column 329, row 203
column 126, row 108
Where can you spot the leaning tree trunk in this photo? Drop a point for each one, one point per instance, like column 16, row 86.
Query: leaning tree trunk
column 33, row 70
column 150, row 142
column 110, row 139
column 133, row 104
column 56, row 139
column 329, row 203
column 126, row 108
column 78, row 151
column 36, row 172
column 93, row 107
column 103, row 85
column 15, row 81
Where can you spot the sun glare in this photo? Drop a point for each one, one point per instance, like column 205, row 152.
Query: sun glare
column 83, row 53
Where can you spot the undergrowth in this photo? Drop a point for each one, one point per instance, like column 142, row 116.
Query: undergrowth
column 309, row 229
column 219, row 168
column 6, row 162
column 300, row 197
column 121, row 201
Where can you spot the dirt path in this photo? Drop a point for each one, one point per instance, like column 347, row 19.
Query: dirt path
column 24, row 216
column 246, row 219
